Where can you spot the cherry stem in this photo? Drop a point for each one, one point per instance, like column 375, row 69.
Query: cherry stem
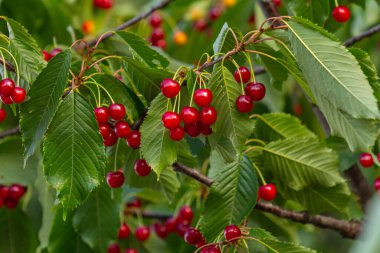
column 105, row 58
column 100, row 39
column 336, row 3
column 80, row 41
column 5, row 66
column 115, row 159
column 261, row 53
column 96, row 83
column 255, row 140
column 241, row 78
column 260, row 174
column 16, row 65
column 93, row 94
column 250, row 66
column 259, row 241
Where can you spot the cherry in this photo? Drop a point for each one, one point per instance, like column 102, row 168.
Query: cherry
column 161, row 44
column 231, row 232
column 255, row 90
column 113, row 248
column 192, row 236
column 55, row 51
column 131, row 251
column 16, row 191
column 124, row 231
column 10, row 203
column 142, row 233
column 366, row 160
column 142, row 168
column 171, row 225
column 245, row 75
column 181, row 229
column 208, row 115
column 155, row 20
column 156, row 35
column 277, row 2
column 171, row 120
column 101, row 115
column 116, row 111
column 111, row 139
column 4, row 192
column 18, row 95
column 135, row 203
column 376, row 184
column 3, row 115
column 88, row 27
column 122, row 129
column 103, row 4
column 244, row 104
column 252, row 19
column 115, row 179
column 6, row 87
column 202, row 97
column 180, row 38
column 215, row 13
column 6, row 100
column 189, row 115
column 177, row 134
column 134, row 139
column 160, row 230
column 170, row 88
column 46, row 55
column 202, row 242
column 211, row 249
column 193, row 130
column 1, row 202
column 341, row 14
column 185, row 215
column 200, row 25
column 268, row 192
column 105, row 130
column 206, row 129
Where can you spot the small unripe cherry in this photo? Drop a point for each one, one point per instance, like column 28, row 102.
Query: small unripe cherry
column 268, row 192
column 341, row 14
column 244, row 104
column 189, row 115
column 202, row 97
column 116, row 111
column 88, row 27
column 366, row 160
column 171, row 120
column 256, row 91
column 3, row 115
column 192, row 236
column 177, row 134
column 101, row 115
column 208, row 115
column 134, row 139
column 180, row 38
column 18, row 95
column 6, row 87
column 111, row 139
column 170, row 88
column 155, row 20
column 115, row 179
column 232, row 232
column 122, row 129
column 245, row 75
column 142, row 168
column 142, row 233
column 124, row 231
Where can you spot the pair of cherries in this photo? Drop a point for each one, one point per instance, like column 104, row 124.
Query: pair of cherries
column 366, row 160
column 49, row 55
column 11, row 195
column 157, row 37
column 10, row 93
column 115, row 179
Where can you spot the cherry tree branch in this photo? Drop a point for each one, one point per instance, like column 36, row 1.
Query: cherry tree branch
column 368, row 33
column 9, row 66
column 12, row 131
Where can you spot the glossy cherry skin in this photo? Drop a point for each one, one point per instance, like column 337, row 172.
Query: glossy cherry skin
column 193, row 130
column 18, row 95
column 16, row 191
column 122, row 129
column 206, row 129
column 366, row 160
column 208, row 115
column 231, row 232
column 177, row 134
column 101, row 115
column 181, row 229
column 131, row 251
column 105, row 130
column 256, row 91
column 268, row 192
column 215, row 13
column 189, row 115
column 341, row 14
column 135, row 203
column 170, row 88
column 3, row 115
column 245, row 75
column 6, row 87
column 142, row 233
column 185, row 215
column 103, row 4
column 115, row 179
column 46, row 55
column 244, row 104
column 124, row 231
column 111, row 139
column 277, row 2
column 376, row 184
column 142, row 168
column 55, row 51
column 192, row 236
column 6, row 100
column 211, row 249
column 116, row 111
column 171, row 225
column 160, row 230
column 113, row 248
column 155, row 20
column 171, row 120
column 134, row 139
column 202, row 97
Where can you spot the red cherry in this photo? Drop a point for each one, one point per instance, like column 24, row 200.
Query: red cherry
column 211, row 249
column 277, row 2
column 156, row 35
column 252, row 19
column 161, row 44
column 215, row 13
column 111, row 139
column 206, row 129
column 231, row 232
column 181, row 229
column 122, row 129
column 116, row 111
column 366, row 160
column 55, row 51
column 46, row 55
column 6, row 100
column 124, row 231
column 3, row 115
column 297, row 109
column 4, row 192
column 192, row 236
column 105, row 130
column 177, row 134
column 18, row 95
column 245, row 75
column 115, row 179
column 1, row 202
column 142, row 168
column 103, row 4
column 142, row 233
column 201, row 243
column 244, row 104
column 189, row 115
column 185, row 215
column 155, row 20
column 160, row 230
column 135, row 203
column 131, row 251
column 376, row 184
column 200, row 25
column 10, row 203
column 193, row 130
column 170, row 88
column 268, row 192
column 208, row 115
column 134, row 139
column 171, row 225
column 113, row 248
column 256, row 91
column 341, row 14
column 202, row 97
column 16, row 191
column 101, row 115
column 6, row 87
column 171, row 120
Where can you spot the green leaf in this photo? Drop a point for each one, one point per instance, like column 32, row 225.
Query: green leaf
column 302, row 163
column 156, row 146
column 232, row 197
column 142, row 51
column 316, row 11
column 45, row 93
column 97, row 220
column 74, row 157
column 276, row 126
column 17, row 233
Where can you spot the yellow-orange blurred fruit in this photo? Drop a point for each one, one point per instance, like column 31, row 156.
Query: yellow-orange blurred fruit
column 180, row 38
column 196, row 14
column 229, row 3
column 88, row 27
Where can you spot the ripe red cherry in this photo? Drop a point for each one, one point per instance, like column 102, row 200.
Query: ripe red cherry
column 170, row 88
column 124, row 231
column 366, row 160
column 105, row 130
column 134, row 139
column 277, row 2
column 245, row 75
column 376, row 184
column 18, row 95
column 192, row 236
column 111, row 139
column 3, row 115
column 55, row 51
column 1, row 202
column 341, row 14
column 131, row 251
column 193, row 130
column 215, row 13
column 200, row 25
column 244, row 104
column 177, row 134
column 185, row 215
column 4, row 192
column 189, row 115
column 208, row 115
column 142, row 233
column 113, row 248
column 135, row 203
column 103, row 4
column 206, row 129
column 256, row 91
column 115, row 179
column 202, row 242
column 202, row 97
column 171, row 120
column 6, row 87
column 155, row 20
column 142, row 168
column 122, row 129
column 10, row 203
column 157, row 34
column 116, row 111
column 181, row 229
column 101, row 115
column 46, row 55
column 160, row 230
column 268, row 192
column 161, row 44
column 16, row 191
column 6, row 100
column 211, row 249
column 171, row 225
column 231, row 232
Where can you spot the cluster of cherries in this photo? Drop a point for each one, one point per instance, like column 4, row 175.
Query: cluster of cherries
column 103, row 4
column 9, row 93
column 11, row 195
column 195, row 121
column 366, row 160
column 157, row 37
column 49, row 55
column 253, row 91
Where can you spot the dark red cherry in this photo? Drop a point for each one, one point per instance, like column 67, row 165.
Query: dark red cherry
column 116, row 111
column 124, row 231
column 245, row 75
column 10, row 203
column 255, row 90
column 105, row 130
column 208, row 115
column 202, row 242
column 135, row 203
column 376, row 184
column 1, row 202
column 46, row 55
column 160, row 230
column 142, row 233
column 171, row 120
column 366, row 160
column 115, row 179
column 16, row 191
column 231, row 232
column 6, row 100
column 202, row 97
column 4, row 192
column 113, row 248
column 211, row 249
column 122, row 129
column 103, row 4
column 131, row 251
column 156, row 35
column 215, row 13
column 177, row 134
column 155, row 20
column 18, row 95
column 101, row 115
column 189, row 115
column 181, row 229
column 200, row 25
column 206, row 129
column 192, row 236
column 170, row 88
column 142, row 168
column 6, row 87
column 171, row 225
column 268, row 192
column 55, row 51
column 193, row 130
column 3, row 115
column 277, row 2
column 185, row 215
column 111, row 139
column 134, row 139
column 161, row 44
column 341, row 14
column 244, row 104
